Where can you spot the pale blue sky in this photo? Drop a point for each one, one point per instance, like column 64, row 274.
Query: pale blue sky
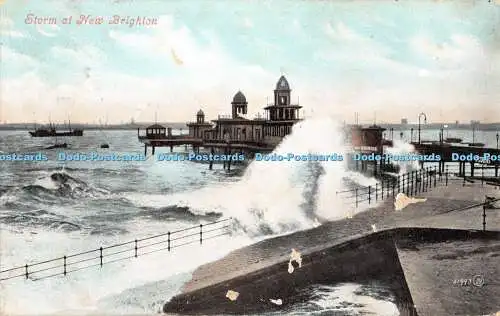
column 382, row 58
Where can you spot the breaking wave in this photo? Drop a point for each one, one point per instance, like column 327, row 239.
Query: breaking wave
column 275, row 197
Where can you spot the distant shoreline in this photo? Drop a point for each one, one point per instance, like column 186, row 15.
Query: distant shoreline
column 177, row 125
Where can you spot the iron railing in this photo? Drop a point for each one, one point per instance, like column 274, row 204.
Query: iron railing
column 410, row 183
column 415, row 182
column 118, row 252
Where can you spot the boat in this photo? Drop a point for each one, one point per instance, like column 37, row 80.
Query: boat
column 453, row 140
column 52, row 132
column 104, row 145
column 60, row 145
column 476, row 144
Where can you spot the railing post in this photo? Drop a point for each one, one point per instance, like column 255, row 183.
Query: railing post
column 201, row 234
column 376, row 192
column 64, row 265
column 356, row 194
column 408, row 180
column 26, row 271
column 403, row 183
column 382, row 189
column 100, row 249
column 168, row 241
column 369, row 194
column 421, row 182
column 446, row 175
column 135, row 248
column 484, row 217
column 393, row 188
column 410, row 186
column 415, row 184
column 429, row 179
column 426, row 179
column 435, row 176
column 399, row 184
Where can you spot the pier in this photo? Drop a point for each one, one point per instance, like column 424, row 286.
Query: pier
column 235, row 133
column 445, row 151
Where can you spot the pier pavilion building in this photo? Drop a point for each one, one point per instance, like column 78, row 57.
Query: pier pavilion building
column 279, row 118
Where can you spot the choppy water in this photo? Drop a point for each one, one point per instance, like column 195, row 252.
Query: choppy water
column 49, row 209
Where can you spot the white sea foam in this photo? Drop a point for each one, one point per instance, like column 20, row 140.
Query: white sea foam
column 274, row 195
column 271, row 194
column 401, row 147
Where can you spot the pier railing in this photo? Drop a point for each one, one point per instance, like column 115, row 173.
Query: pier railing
column 118, row 252
column 410, row 183
column 414, row 182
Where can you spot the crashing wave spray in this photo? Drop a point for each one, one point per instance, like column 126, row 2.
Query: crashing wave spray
column 402, row 148
column 272, row 197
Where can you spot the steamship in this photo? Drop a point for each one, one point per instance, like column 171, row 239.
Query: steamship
column 52, row 132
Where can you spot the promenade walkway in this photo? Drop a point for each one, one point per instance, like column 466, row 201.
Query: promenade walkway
column 433, row 214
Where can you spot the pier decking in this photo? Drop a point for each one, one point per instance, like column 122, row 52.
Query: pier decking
column 446, row 152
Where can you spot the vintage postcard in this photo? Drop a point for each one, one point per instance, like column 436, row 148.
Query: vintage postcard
column 217, row 157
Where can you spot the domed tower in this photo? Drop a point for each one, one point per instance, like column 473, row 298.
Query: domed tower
column 239, row 104
column 282, row 92
column 200, row 117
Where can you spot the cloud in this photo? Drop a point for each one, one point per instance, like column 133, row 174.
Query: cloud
column 347, row 44
column 461, row 51
column 341, row 32
column 52, row 32
column 12, row 58
column 247, row 22
column 7, row 29
column 209, row 70
column 200, row 61
column 86, row 55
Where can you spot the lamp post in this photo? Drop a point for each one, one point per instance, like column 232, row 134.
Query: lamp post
column 425, row 122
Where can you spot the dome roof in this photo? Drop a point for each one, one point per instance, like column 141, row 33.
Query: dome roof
column 282, row 84
column 200, row 113
column 239, row 98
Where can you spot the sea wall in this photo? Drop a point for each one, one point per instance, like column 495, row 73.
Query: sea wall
column 373, row 257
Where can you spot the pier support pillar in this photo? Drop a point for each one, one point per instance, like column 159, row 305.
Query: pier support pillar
column 228, row 153
column 153, row 150
column 496, row 170
column 171, row 148
column 211, row 164
column 145, row 150
column 471, row 169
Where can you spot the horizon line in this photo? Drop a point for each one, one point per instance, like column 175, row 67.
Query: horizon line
column 185, row 122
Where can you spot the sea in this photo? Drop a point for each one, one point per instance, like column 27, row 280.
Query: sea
column 52, row 208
